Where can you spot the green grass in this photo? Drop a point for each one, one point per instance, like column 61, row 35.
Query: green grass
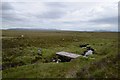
column 21, row 60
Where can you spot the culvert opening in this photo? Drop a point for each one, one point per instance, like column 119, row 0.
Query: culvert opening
column 59, row 58
column 64, row 58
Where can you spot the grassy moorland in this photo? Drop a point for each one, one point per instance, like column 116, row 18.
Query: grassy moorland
column 21, row 60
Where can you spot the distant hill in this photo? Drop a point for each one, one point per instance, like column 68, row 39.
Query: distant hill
column 40, row 29
column 103, row 31
column 44, row 29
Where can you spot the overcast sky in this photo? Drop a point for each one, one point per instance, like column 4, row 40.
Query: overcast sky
column 80, row 16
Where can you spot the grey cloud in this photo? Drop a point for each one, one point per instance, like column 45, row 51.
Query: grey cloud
column 59, row 12
column 56, row 4
column 8, row 16
column 6, row 6
column 74, row 22
column 51, row 14
column 109, row 20
column 8, row 13
column 55, row 10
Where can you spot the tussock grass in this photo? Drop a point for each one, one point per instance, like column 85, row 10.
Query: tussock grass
column 21, row 59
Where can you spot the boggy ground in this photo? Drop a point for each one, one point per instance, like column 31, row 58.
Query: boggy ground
column 20, row 57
